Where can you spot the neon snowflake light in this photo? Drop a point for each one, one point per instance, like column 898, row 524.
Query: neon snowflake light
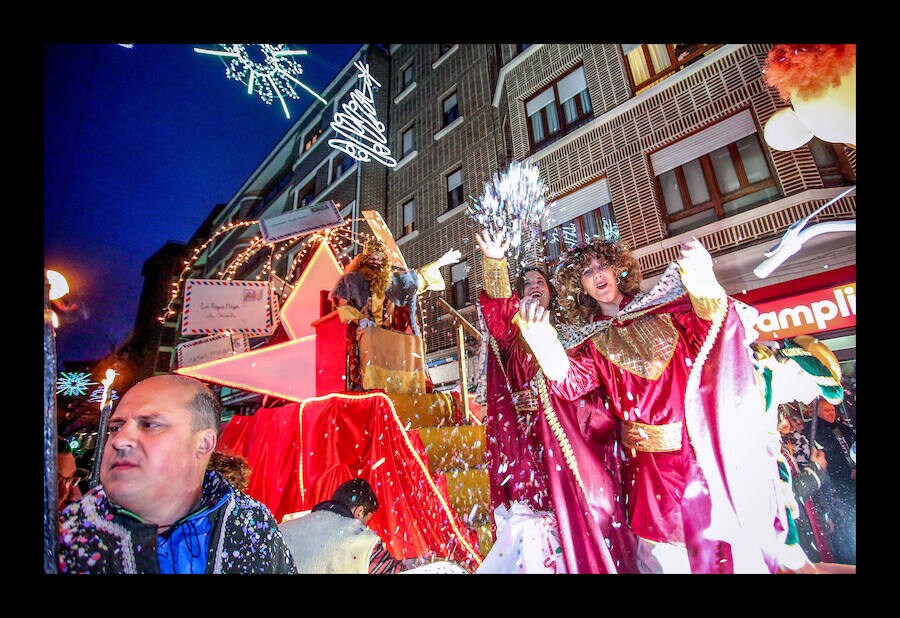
column 276, row 74
column 72, row 384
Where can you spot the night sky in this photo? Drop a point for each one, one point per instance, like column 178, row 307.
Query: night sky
column 140, row 144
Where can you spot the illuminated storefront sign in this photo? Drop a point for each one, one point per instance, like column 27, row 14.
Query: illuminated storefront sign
column 822, row 310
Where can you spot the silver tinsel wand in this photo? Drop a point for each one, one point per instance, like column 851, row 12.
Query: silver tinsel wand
column 514, row 201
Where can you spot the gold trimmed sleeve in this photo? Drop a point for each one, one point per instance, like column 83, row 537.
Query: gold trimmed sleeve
column 430, row 278
column 707, row 296
column 541, row 338
column 496, row 277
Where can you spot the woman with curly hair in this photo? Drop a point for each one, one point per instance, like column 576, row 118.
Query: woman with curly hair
column 700, row 473
column 582, row 308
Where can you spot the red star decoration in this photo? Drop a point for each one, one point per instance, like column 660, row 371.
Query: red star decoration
column 286, row 370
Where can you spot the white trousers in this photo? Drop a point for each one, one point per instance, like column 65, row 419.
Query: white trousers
column 657, row 558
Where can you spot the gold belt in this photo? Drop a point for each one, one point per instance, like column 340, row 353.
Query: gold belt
column 525, row 400
column 651, row 438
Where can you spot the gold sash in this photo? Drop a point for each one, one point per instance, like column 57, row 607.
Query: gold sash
column 651, row 438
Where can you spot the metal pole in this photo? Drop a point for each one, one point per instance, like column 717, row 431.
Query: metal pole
column 51, row 482
column 463, row 380
column 354, row 224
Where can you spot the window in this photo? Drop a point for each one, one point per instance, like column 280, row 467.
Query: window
column 339, row 165
column 833, row 163
column 163, row 361
column 310, row 138
column 650, row 62
column 407, row 75
column 450, row 109
column 728, row 180
column 558, row 109
column 582, row 228
column 454, row 189
column 460, row 289
column 407, row 142
column 344, row 100
column 271, row 193
column 306, row 195
column 409, row 217
column 520, row 47
column 167, row 338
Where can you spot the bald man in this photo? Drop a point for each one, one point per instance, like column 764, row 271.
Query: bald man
column 157, row 508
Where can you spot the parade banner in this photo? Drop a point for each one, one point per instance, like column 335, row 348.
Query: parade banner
column 213, row 306
column 211, row 348
column 305, row 220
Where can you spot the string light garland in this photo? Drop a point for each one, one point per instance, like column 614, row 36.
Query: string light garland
column 276, row 75
column 339, row 238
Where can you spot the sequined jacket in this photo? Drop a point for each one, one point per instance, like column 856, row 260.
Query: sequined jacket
column 97, row 536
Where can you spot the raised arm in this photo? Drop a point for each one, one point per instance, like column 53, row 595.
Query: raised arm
column 494, row 266
column 707, row 296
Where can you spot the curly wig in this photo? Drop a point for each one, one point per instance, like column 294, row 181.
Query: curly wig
column 378, row 276
column 576, row 306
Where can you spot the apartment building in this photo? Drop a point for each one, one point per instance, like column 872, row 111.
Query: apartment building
column 663, row 140
column 666, row 141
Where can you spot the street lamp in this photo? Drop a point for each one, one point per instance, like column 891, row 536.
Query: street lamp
column 55, row 288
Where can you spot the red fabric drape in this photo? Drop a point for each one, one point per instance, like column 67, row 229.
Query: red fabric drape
column 300, row 453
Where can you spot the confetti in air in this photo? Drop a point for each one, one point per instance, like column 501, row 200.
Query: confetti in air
column 513, row 202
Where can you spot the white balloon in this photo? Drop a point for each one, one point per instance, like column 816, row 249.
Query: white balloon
column 785, row 130
column 831, row 116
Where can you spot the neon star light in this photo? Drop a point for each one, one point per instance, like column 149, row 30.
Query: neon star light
column 275, row 75
column 72, row 384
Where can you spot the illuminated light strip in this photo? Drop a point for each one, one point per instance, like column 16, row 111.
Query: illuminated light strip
column 301, row 84
column 447, row 508
column 278, row 92
column 290, row 52
column 214, row 52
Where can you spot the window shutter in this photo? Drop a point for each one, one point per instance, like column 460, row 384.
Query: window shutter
column 576, row 204
column 454, row 180
column 450, row 102
column 459, row 271
column 725, row 132
column 539, row 102
column 571, row 84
